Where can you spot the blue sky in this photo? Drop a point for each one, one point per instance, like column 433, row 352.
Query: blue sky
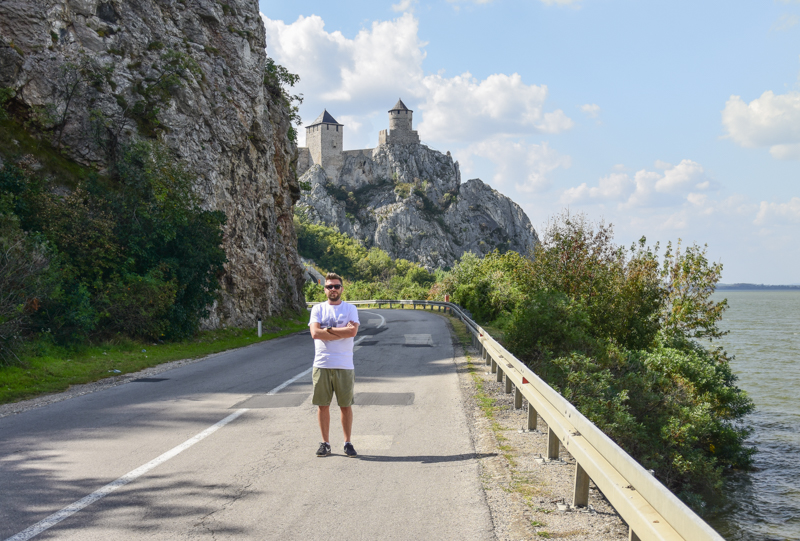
column 669, row 120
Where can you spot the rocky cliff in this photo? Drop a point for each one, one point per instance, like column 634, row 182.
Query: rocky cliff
column 409, row 201
column 192, row 73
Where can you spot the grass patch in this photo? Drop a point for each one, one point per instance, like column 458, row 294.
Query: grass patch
column 528, row 486
column 50, row 369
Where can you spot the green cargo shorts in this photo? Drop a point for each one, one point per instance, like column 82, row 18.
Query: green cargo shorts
column 328, row 381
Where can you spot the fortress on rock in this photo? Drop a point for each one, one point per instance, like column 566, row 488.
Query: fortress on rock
column 324, row 140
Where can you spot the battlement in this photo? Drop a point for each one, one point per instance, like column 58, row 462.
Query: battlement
column 325, row 135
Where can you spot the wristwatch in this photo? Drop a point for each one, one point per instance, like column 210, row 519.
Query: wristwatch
column 328, row 328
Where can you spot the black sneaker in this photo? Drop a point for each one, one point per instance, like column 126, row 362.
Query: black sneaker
column 349, row 450
column 324, row 449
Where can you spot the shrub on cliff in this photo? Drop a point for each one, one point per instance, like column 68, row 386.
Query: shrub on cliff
column 627, row 340
column 369, row 274
column 25, row 279
column 136, row 254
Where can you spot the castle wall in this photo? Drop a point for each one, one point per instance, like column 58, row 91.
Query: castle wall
column 325, row 147
column 364, row 152
column 399, row 132
column 400, row 121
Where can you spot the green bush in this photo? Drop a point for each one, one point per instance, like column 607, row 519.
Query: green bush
column 628, row 340
column 368, row 274
column 25, row 279
column 134, row 253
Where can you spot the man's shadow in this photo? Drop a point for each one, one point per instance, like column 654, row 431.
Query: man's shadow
column 426, row 459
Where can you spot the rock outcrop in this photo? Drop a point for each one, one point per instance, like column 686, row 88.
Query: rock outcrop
column 409, row 201
column 222, row 117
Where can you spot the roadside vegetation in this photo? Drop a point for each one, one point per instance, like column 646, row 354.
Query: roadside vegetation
column 49, row 368
column 367, row 273
column 629, row 335
column 107, row 270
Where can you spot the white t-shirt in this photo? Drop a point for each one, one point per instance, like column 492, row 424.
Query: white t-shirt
column 333, row 353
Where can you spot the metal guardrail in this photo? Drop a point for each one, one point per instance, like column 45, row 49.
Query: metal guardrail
column 650, row 509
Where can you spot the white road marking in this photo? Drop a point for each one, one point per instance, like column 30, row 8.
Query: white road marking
column 73, row 508
column 419, row 339
column 290, row 381
column 383, row 319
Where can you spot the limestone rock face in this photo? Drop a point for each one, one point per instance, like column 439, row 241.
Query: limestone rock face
column 223, row 119
column 409, row 201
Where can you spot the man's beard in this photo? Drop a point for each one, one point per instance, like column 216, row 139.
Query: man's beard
column 334, row 295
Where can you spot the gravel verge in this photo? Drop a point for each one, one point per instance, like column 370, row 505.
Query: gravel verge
column 527, row 498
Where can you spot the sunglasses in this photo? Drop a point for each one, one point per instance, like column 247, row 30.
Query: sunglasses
column 333, row 286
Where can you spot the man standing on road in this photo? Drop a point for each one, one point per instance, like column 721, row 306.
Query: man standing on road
column 334, row 325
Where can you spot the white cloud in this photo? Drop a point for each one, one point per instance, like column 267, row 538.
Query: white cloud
column 525, row 165
column 385, row 59
column 463, row 108
column 591, row 110
column 560, row 2
column 778, row 213
column 768, row 121
column 470, row 2
column 662, row 165
column 785, row 152
column 362, row 77
column 404, row 5
column 614, row 187
column 681, row 182
column 784, row 22
column 687, row 174
column 545, row 2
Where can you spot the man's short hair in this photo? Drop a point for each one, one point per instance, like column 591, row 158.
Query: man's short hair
column 333, row 276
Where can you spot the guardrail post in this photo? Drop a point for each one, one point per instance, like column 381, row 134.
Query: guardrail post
column 494, row 366
column 581, row 494
column 632, row 536
column 517, row 398
column 499, row 373
column 486, row 357
column 509, row 384
column 533, row 417
column 552, row 444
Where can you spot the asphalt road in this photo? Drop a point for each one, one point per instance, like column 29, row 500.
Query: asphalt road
column 255, row 475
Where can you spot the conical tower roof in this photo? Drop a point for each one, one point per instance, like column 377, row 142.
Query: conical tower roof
column 400, row 106
column 324, row 118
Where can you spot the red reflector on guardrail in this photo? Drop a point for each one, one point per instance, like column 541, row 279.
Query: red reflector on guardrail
column 524, row 381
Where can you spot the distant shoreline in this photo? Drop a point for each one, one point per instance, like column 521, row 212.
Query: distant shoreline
column 756, row 287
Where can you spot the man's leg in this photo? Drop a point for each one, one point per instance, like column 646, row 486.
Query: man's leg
column 347, row 422
column 324, row 418
column 323, row 392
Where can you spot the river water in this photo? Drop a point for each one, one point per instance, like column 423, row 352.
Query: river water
column 765, row 338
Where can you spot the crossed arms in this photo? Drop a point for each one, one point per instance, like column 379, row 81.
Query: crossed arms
column 335, row 333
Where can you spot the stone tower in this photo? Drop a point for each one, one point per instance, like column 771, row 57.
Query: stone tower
column 399, row 132
column 324, row 142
